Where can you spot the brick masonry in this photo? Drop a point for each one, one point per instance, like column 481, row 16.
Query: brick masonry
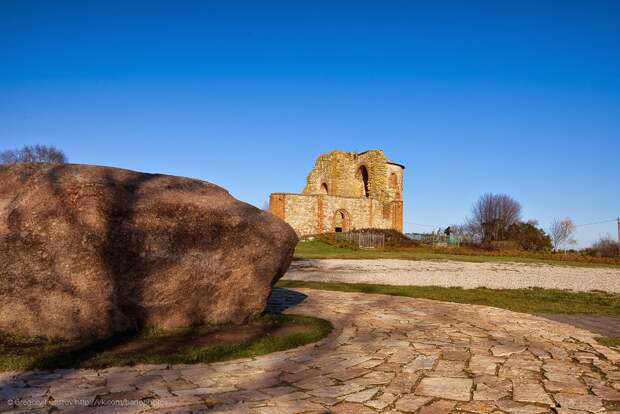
column 345, row 191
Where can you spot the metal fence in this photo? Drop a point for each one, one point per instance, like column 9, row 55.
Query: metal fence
column 434, row 239
column 365, row 240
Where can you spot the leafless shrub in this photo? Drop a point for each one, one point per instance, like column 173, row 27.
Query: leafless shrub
column 562, row 232
column 605, row 247
column 33, row 154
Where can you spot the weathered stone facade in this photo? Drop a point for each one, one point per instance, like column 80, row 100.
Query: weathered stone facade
column 345, row 191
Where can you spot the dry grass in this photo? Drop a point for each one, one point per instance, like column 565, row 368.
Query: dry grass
column 609, row 342
column 316, row 249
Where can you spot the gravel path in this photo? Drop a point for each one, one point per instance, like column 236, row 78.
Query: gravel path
column 453, row 273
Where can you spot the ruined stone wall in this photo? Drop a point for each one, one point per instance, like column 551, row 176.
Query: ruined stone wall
column 313, row 213
column 340, row 171
column 394, row 180
column 337, row 183
column 276, row 205
column 299, row 211
column 397, row 215
column 376, row 164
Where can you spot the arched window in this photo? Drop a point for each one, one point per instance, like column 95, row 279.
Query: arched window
column 342, row 221
column 363, row 174
column 324, row 189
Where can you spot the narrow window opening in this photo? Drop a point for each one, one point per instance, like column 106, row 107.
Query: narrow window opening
column 364, row 176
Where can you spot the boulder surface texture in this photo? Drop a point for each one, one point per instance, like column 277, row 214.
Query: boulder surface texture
column 88, row 251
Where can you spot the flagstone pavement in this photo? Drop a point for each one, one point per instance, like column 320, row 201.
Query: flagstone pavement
column 386, row 354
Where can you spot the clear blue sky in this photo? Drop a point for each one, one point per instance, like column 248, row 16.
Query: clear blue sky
column 518, row 97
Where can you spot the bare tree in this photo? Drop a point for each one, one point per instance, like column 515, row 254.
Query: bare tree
column 562, row 232
column 492, row 214
column 33, row 154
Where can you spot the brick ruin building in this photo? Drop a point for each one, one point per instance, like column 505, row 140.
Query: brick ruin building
column 345, row 191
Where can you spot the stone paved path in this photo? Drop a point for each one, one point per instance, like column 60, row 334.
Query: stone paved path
column 387, row 354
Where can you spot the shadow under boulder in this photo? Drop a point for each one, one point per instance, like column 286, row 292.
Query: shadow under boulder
column 88, row 251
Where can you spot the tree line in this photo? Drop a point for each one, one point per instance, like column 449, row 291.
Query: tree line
column 496, row 221
column 33, row 154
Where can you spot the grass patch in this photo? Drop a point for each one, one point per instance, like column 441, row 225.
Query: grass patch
column 534, row 300
column 316, row 249
column 266, row 334
column 609, row 342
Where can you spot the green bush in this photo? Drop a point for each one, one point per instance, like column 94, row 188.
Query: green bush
column 527, row 236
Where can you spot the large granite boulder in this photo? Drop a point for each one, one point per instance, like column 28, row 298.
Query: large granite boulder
column 88, row 251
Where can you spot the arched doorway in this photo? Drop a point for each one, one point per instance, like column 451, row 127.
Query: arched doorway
column 342, row 221
column 363, row 176
column 324, row 189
